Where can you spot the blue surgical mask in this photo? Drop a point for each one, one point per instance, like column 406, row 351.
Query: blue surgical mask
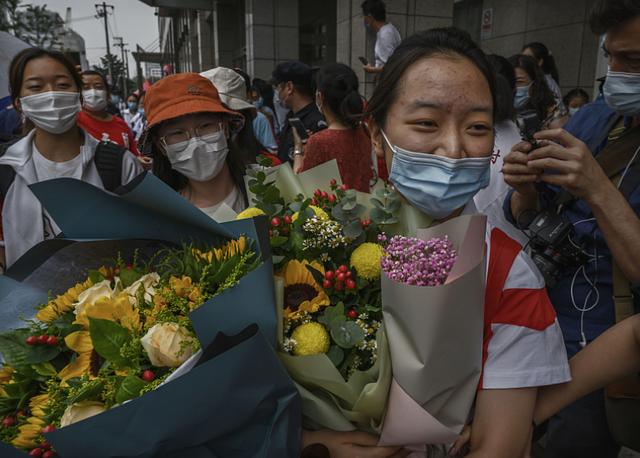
column 115, row 99
column 437, row 185
column 278, row 101
column 573, row 110
column 622, row 92
column 141, row 111
column 521, row 97
column 259, row 103
column 132, row 106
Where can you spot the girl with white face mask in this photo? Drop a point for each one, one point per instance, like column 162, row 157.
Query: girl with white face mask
column 45, row 88
column 433, row 122
column 189, row 130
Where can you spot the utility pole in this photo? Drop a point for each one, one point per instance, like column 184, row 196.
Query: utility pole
column 103, row 10
column 125, row 65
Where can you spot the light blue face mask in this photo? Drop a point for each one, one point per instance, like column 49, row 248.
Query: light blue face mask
column 259, row 103
column 437, row 185
column 622, row 92
column 521, row 97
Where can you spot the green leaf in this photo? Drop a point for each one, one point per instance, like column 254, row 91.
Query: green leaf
column 130, row 388
column 295, row 206
column 377, row 203
column 391, row 220
column 353, row 229
column 333, row 315
column 347, row 334
column 45, row 369
column 371, row 308
column 278, row 240
column 261, row 176
column 129, row 277
column 108, row 337
column 90, row 391
column 394, row 205
column 336, row 355
column 95, row 276
column 377, row 215
column 349, row 205
column 277, row 259
column 17, row 353
column 338, row 213
column 272, row 195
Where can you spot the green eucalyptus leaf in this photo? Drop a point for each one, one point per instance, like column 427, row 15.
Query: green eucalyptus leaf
column 394, row 205
column 295, row 206
column 346, row 334
column 377, row 215
column 338, row 213
column 261, row 176
column 353, row 229
column 336, row 355
column 391, row 220
column 348, row 205
column 377, row 203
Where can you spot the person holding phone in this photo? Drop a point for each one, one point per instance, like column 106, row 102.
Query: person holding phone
column 293, row 89
column 387, row 35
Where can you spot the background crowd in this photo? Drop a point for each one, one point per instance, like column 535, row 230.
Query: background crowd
column 539, row 154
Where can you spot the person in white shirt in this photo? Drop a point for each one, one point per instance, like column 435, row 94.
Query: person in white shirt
column 45, row 88
column 387, row 35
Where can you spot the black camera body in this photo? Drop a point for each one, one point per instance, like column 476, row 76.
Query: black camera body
column 529, row 123
column 552, row 249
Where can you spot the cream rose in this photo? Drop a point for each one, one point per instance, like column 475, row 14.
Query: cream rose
column 81, row 411
column 92, row 295
column 168, row 345
column 148, row 282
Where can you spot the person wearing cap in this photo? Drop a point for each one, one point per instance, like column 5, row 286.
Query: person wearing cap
column 293, row 87
column 232, row 89
column 188, row 132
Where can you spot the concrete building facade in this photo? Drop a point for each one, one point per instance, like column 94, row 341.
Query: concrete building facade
column 256, row 35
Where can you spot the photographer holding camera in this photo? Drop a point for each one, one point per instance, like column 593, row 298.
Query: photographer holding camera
column 583, row 208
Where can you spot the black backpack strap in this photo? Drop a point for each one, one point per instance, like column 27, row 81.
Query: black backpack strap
column 7, row 174
column 108, row 159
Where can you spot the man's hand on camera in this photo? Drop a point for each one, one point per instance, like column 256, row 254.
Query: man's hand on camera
column 518, row 173
column 569, row 164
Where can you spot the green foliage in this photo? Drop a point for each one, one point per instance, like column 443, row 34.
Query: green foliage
column 130, row 388
column 16, row 352
column 36, row 25
column 386, row 205
column 108, row 337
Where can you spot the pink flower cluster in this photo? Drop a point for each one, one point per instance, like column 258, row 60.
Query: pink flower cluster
column 416, row 262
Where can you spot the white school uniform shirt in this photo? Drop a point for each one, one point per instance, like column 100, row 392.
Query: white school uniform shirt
column 387, row 40
column 24, row 221
column 522, row 344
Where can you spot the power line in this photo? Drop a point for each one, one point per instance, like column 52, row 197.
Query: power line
column 103, row 12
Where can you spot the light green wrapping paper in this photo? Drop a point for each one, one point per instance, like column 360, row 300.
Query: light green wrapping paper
column 328, row 401
column 435, row 333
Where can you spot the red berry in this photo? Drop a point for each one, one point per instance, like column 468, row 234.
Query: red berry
column 325, row 195
column 36, row 452
column 42, row 339
column 8, row 421
column 275, row 222
column 314, row 201
column 129, row 266
column 352, row 314
column 49, row 454
column 339, row 286
column 341, row 277
column 326, row 284
column 329, row 274
column 48, row 429
column 45, row 446
column 344, row 187
column 332, row 198
column 287, row 219
column 116, row 271
column 31, row 340
column 52, row 341
column 333, row 182
column 350, row 284
column 343, row 268
column 317, row 193
column 148, row 376
column 349, row 274
column 270, row 233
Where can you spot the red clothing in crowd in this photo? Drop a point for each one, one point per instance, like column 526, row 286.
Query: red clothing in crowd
column 116, row 131
column 350, row 147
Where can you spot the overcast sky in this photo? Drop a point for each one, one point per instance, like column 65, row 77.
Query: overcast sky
column 132, row 20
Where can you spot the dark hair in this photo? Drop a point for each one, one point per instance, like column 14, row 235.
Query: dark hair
column 448, row 41
column 265, row 90
column 505, row 86
column 245, row 140
column 245, row 77
column 177, row 181
column 102, row 77
column 540, row 96
column 607, row 14
column 339, row 85
column 19, row 63
column 375, row 9
column 541, row 52
column 573, row 93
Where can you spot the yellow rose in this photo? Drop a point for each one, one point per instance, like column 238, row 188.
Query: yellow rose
column 147, row 281
column 81, row 411
column 168, row 345
column 92, row 295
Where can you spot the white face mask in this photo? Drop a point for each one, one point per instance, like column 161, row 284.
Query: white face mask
column 199, row 158
column 95, row 99
column 54, row 112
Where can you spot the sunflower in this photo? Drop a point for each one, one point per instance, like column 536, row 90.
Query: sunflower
column 228, row 250
column 301, row 292
column 87, row 361
column 29, row 433
column 63, row 303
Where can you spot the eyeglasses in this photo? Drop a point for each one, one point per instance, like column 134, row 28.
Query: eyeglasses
column 176, row 136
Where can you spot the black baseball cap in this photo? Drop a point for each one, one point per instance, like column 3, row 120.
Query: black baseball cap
column 294, row 71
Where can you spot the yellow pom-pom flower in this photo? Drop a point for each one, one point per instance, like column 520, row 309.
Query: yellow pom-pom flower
column 366, row 260
column 310, row 339
column 320, row 213
column 250, row 212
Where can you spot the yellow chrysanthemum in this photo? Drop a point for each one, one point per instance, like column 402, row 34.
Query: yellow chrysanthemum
column 182, row 287
column 366, row 260
column 6, row 372
column 28, row 433
column 310, row 339
column 250, row 212
column 320, row 213
column 80, row 342
column 301, row 292
column 63, row 303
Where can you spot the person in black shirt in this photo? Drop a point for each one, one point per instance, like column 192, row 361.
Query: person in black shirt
column 293, row 88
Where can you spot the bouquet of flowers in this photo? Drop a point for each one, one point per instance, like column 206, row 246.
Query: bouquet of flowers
column 345, row 277
column 102, row 363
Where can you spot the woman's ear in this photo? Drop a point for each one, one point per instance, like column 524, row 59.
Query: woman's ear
column 376, row 139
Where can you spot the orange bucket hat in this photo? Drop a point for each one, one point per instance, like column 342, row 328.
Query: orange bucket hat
column 183, row 94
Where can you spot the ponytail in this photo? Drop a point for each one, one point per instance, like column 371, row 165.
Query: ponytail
column 338, row 85
column 541, row 52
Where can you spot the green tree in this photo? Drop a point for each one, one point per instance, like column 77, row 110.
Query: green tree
column 36, row 25
column 119, row 72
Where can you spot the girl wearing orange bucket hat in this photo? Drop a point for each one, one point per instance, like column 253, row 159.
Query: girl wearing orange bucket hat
column 188, row 131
